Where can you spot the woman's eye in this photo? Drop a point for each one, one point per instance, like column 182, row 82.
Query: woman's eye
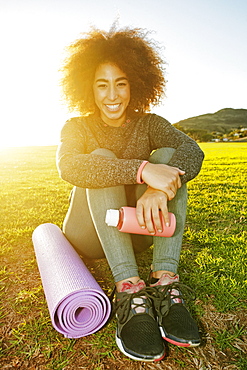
column 122, row 84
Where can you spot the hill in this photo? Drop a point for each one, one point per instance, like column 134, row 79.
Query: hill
column 223, row 121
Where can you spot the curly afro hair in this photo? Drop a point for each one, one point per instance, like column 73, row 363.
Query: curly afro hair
column 131, row 51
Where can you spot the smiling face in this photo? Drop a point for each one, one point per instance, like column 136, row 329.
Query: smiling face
column 111, row 94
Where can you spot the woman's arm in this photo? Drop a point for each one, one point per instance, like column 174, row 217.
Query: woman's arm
column 188, row 156
column 165, row 179
column 80, row 168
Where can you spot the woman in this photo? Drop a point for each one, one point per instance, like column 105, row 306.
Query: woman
column 116, row 154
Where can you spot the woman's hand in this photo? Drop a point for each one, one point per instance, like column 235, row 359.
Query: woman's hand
column 163, row 177
column 147, row 210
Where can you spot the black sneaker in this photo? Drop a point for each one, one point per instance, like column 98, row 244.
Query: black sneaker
column 137, row 334
column 175, row 322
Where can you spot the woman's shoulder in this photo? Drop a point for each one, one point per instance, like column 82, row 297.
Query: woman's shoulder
column 75, row 121
column 74, row 126
column 78, row 122
column 152, row 119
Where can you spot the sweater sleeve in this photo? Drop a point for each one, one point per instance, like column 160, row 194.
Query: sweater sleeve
column 88, row 170
column 187, row 156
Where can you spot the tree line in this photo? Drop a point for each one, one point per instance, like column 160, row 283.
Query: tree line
column 205, row 136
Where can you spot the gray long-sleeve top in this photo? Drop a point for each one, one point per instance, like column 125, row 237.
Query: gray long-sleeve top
column 132, row 143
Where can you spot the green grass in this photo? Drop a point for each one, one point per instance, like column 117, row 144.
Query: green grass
column 213, row 262
column 217, row 226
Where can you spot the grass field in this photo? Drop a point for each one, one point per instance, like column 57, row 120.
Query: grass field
column 213, row 263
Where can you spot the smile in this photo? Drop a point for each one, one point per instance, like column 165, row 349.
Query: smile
column 113, row 107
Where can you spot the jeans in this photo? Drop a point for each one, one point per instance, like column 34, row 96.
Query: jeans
column 85, row 227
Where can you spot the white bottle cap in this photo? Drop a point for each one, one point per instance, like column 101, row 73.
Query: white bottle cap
column 112, row 217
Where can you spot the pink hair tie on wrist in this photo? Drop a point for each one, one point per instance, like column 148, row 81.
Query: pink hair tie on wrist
column 139, row 173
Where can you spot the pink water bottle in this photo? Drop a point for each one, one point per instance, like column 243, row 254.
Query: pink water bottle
column 125, row 220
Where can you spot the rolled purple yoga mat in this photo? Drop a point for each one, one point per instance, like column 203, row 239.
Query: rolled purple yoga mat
column 77, row 304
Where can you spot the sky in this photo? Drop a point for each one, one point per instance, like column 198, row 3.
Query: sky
column 205, row 49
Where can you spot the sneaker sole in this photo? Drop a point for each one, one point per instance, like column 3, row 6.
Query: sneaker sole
column 176, row 342
column 144, row 359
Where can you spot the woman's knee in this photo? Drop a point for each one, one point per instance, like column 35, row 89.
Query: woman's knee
column 162, row 155
column 104, row 152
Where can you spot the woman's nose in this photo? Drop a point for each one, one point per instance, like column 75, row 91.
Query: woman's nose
column 112, row 93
